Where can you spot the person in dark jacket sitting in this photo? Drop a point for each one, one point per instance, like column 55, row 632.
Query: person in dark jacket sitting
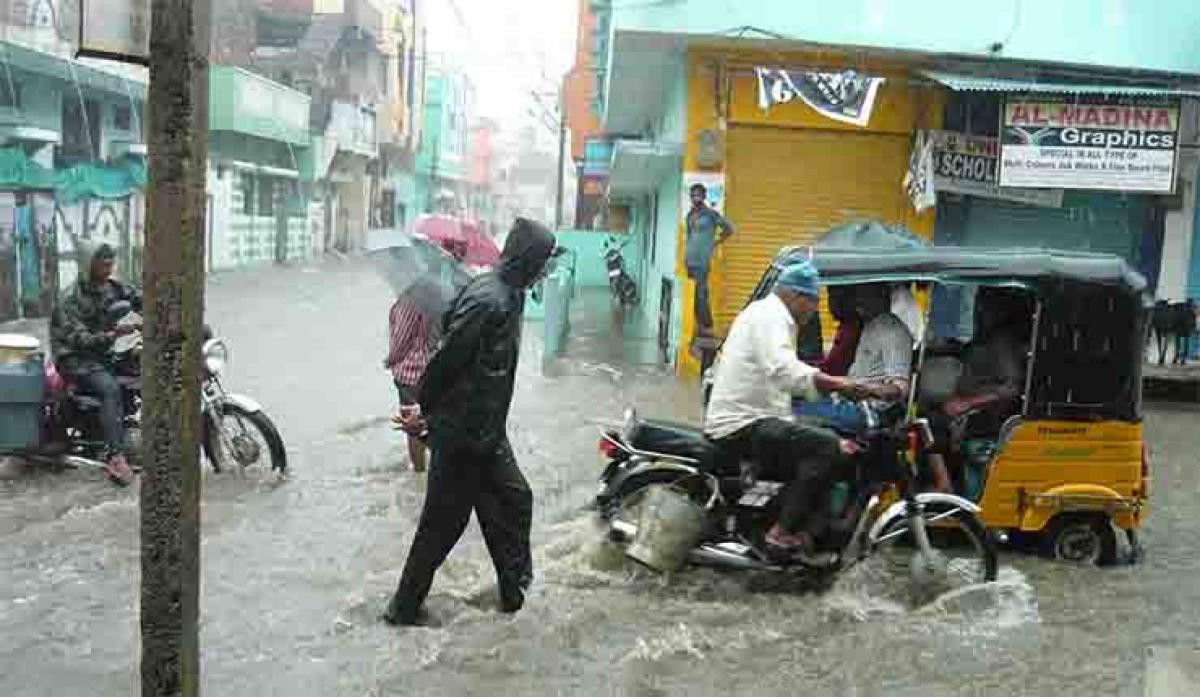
column 82, row 338
column 465, row 396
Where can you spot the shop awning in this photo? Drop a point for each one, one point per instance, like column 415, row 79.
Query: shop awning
column 961, row 82
column 639, row 165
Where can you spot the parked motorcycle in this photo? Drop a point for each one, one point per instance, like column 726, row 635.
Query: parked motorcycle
column 623, row 288
column 875, row 513
column 235, row 429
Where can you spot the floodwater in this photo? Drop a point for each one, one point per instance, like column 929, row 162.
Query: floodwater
column 297, row 571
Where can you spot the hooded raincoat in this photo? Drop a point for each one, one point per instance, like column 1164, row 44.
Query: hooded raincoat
column 79, row 322
column 468, row 385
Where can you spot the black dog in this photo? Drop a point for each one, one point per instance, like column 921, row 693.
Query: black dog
column 1173, row 320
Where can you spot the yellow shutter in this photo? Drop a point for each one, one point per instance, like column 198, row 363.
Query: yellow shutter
column 788, row 186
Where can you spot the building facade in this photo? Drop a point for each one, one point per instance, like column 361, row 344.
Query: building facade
column 810, row 116
column 443, row 157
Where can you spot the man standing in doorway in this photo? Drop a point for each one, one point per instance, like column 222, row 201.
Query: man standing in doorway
column 465, row 395
column 703, row 223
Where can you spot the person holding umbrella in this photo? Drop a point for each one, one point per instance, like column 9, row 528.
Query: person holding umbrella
column 412, row 339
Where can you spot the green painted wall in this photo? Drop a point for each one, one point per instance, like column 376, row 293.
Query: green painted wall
column 243, row 102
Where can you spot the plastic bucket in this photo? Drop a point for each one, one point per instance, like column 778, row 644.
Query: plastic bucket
column 670, row 526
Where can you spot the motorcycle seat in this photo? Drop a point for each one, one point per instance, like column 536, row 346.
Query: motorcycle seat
column 681, row 440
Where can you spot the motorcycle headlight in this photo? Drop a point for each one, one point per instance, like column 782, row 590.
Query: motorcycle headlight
column 216, row 355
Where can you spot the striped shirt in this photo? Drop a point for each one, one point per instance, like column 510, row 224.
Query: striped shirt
column 884, row 350
column 410, row 343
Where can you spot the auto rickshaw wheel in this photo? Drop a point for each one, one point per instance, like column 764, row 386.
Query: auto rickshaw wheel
column 1081, row 539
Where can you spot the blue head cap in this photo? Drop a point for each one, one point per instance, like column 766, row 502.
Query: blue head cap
column 800, row 277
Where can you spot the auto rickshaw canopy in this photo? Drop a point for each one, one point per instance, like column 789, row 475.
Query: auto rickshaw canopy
column 1090, row 333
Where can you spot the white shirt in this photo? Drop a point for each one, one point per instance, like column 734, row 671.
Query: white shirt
column 758, row 372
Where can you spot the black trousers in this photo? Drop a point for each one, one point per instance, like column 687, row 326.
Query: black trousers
column 463, row 478
column 807, row 457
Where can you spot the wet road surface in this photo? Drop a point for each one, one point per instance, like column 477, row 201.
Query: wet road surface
column 296, row 571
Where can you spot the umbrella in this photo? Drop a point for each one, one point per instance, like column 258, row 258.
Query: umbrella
column 870, row 234
column 422, row 271
column 480, row 249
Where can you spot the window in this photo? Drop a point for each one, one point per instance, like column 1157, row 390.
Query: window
column 385, row 85
column 40, row 13
column 122, row 118
column 386, row 214
column 247, row 183
column 10, row 96
column 266, row 196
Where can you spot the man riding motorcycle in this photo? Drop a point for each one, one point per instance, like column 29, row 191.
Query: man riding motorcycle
column 751, row 405
column 82, row 339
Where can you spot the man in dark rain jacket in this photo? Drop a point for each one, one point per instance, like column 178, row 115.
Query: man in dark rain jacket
column 82, row 338
column 465, row 396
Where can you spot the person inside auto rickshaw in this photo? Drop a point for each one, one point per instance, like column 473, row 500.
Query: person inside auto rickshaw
column 849, row 331
column 882, row 358
column 993, row 368
column 82, row 338
column 755, row 381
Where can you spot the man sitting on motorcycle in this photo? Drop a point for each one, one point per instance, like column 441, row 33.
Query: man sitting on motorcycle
column 82, row 340
column 751, row 405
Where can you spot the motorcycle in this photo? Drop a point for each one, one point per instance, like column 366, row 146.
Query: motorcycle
column 234, row 428
column 875, row 512
column 621, row 284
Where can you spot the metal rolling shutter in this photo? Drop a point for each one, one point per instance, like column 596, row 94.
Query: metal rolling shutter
column 1086, row 222
column 788, row 186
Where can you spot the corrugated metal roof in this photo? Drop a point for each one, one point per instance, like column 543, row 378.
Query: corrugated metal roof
column 975, row 83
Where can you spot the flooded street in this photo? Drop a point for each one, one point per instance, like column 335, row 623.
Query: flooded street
column 296, row 572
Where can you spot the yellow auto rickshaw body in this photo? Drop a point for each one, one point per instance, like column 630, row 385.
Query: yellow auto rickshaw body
column 1047, row 468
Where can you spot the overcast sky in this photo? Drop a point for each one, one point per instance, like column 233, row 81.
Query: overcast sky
column 507, row 48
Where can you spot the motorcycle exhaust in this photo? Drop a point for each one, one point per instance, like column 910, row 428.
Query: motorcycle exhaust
column 722, row 555
column 76, row 462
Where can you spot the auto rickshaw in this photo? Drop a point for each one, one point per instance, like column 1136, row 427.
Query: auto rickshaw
column 1067, row 467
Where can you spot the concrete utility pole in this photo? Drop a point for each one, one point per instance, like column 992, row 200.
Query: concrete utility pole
column 173, row 279
column 562, row 155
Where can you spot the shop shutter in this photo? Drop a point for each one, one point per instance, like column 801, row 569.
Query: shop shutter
column 1093, row 222
column 789, row 186
column 1086, row 222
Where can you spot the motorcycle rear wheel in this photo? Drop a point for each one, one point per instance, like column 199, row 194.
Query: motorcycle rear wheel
column 251, row 436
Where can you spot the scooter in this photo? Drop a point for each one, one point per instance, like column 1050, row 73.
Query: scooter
column 623, row 288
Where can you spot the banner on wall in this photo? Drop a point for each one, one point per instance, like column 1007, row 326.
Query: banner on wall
column 1070, row 145
column 714, row 185
column 919, row 179
column 842, row 96
column 968, row 164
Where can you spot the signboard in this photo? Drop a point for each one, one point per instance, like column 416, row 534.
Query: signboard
column 115, row 29
column 1114, row 147
column 966, row 164
column 714, row 184
column 842, row 96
